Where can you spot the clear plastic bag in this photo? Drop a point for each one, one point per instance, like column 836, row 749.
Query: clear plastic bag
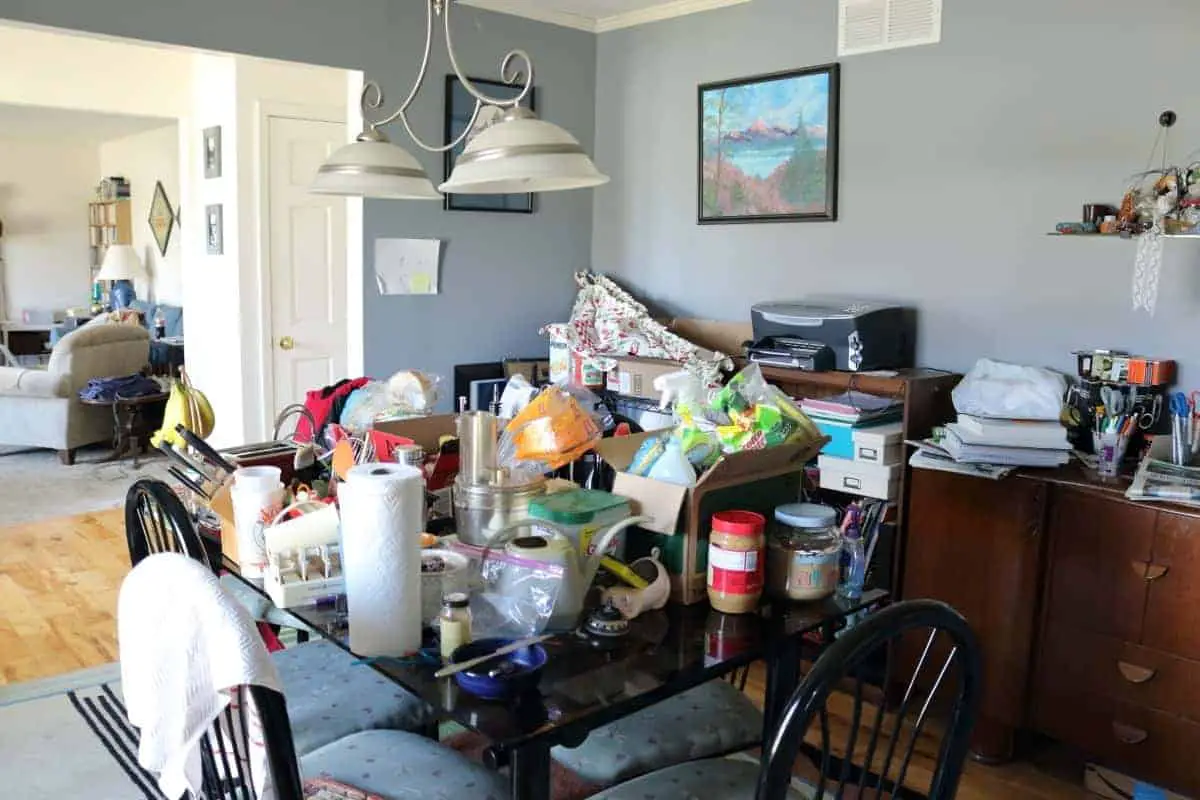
column 1011, row 391
column 550, row 432
column 518, row 598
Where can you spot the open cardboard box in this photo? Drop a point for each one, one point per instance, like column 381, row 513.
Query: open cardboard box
column 634, row 376
column 753, row 480
column 425, row 431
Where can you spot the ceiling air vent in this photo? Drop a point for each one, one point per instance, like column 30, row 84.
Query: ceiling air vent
column 865, row 26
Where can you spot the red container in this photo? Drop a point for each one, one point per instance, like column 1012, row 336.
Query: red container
column 736, row 561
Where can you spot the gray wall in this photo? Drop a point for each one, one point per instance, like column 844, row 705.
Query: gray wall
column 502, row 275
column 956, row 159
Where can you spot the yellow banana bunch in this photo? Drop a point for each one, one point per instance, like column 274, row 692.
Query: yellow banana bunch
column 186, row 406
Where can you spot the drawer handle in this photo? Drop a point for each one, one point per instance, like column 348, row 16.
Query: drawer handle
column 1149, row 571
column 849, row 482
column 1133, row 673
column 1129, row 734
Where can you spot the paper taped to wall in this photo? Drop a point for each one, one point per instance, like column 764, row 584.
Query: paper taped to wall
column 407, row 266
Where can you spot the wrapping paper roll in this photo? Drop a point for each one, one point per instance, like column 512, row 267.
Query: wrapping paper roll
column 248, row 504
column 383, row 513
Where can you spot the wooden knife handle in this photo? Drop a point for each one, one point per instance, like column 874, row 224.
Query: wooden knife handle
column 1129, row 734
column 1133, row 673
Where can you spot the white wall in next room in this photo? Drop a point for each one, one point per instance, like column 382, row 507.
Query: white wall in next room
column 144, row 159
column 44, row 191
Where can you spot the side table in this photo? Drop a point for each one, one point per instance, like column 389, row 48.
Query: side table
column 132, row 424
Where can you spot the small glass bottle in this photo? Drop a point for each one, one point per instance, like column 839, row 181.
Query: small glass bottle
column 160, row 324
column 454, row 623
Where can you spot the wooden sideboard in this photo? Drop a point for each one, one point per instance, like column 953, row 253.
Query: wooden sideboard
column 1087, row 607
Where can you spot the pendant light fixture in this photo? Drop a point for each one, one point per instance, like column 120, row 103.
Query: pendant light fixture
column 516, row 153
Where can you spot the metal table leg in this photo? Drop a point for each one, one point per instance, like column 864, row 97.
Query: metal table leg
column 530, row 772
column 783, row 676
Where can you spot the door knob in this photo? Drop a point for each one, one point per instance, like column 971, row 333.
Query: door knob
column 286, row 343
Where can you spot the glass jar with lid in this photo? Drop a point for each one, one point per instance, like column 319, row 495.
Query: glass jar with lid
column 804, row 552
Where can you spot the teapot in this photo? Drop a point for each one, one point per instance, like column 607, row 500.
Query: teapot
column 557, row 548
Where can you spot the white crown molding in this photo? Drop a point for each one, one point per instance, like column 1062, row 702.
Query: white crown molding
column 677, row 8
column 579, row 23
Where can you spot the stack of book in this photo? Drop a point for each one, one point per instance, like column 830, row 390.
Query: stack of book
column 857, row 409
column 1001, row 443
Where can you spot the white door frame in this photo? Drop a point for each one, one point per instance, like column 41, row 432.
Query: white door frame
column 258, row 414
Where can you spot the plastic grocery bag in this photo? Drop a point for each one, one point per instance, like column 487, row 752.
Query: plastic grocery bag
column 1010, row 391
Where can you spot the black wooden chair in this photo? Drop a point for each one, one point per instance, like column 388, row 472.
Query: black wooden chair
column 156, row 521
column 325, row 685
column 872, row 759
column 391, row 764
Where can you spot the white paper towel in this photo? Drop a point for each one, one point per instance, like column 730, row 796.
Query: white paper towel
column 248, row 505
column 383, row 513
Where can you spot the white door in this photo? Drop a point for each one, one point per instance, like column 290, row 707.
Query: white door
column 306, row 261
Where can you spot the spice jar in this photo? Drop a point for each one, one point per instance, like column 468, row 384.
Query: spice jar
column 735, row 561
column 804, row 553
column 454, row 623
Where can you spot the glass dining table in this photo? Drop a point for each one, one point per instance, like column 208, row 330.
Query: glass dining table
column 588, row 683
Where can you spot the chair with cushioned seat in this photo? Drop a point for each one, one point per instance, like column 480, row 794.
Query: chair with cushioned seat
column 884, row 754
column 253, row 728
column 330, row 694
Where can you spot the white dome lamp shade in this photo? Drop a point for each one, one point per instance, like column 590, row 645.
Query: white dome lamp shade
column 521, row 153
column 371, row 166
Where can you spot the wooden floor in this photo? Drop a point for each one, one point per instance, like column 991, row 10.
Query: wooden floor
column 58, row 591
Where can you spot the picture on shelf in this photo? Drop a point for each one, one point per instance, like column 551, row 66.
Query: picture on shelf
column 459, row 106
column 769, row 147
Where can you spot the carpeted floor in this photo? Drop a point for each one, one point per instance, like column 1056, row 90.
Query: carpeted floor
column 34, row 485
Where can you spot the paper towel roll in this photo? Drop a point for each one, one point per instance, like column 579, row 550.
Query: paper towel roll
column 383, row 513
column 307, row 530
column 248, row 505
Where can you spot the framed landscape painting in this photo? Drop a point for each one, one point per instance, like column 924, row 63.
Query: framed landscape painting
column 769, row 147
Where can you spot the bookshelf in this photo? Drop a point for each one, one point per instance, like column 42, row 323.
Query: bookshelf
column 109, row 222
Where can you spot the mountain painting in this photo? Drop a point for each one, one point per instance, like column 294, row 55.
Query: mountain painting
column 768, row 147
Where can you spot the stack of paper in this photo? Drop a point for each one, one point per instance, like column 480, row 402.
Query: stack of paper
column 978, row 441
column 853, row 408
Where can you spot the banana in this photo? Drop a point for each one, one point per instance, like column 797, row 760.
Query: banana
column 186, row 406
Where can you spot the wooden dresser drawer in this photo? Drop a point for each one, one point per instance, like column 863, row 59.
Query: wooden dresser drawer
column 1071, row 661
column 1150, row 745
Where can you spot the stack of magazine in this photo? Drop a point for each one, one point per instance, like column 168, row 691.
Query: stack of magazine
column 1158, row 479
column 991, row 447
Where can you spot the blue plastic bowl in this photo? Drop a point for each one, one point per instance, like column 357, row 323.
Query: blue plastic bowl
column 501, row 678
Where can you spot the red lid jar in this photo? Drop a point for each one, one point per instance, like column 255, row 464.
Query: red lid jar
column 735, row 561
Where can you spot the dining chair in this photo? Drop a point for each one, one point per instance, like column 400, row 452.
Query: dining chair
column 330, row 695
column 387, row 764
column 871, row 758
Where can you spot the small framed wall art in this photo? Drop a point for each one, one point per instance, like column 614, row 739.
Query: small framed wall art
column 214, row 230
column 459, row 105
column 162, row 218
column 212, row 152
column 769, row 147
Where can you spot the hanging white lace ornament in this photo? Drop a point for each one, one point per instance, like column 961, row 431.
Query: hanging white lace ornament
column 1146, row 269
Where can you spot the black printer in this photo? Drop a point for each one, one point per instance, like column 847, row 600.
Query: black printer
column 863, row 335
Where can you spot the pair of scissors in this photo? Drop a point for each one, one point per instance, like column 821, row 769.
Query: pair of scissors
column 1113, row 400
column 1148, row 416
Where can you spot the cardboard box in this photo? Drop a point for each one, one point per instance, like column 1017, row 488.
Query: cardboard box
column 634, row 377
column 722, row 337
column 754, row 480
column 1113, row 785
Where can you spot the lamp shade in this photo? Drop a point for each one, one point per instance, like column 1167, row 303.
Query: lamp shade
column 121, row 263
column 374, row 167
column 521, row 153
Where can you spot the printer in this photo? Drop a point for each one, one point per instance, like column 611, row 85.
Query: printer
column 863, row 335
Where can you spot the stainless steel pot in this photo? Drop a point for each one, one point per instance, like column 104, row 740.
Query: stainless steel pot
column 480, row 510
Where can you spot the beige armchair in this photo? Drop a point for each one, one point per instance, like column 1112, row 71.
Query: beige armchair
column 41, row 407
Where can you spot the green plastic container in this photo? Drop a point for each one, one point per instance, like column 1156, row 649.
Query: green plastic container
column 581, row 513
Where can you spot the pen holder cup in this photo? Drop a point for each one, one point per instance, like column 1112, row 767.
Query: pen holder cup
column 1110, row 452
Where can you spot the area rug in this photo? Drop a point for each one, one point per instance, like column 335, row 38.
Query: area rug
column 34, row 485
column 68, row 736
